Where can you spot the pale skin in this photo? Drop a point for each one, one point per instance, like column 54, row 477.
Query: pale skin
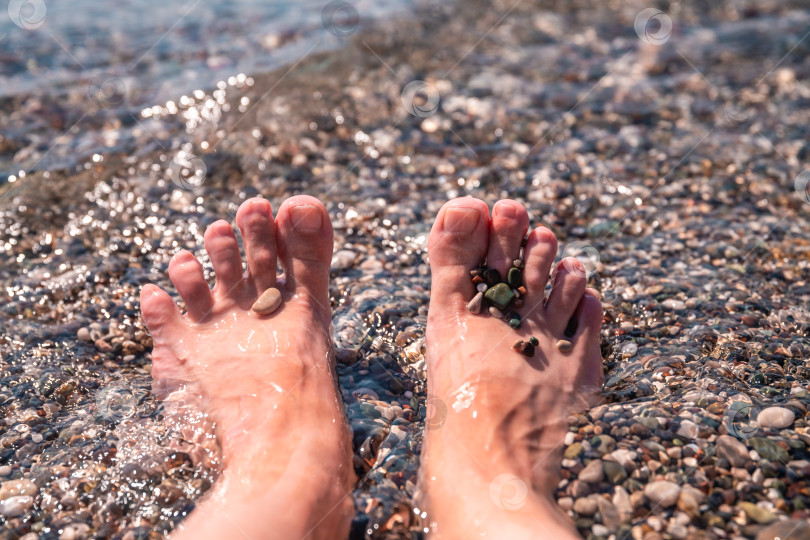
column 489, row 464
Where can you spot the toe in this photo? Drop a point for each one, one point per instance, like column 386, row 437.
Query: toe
column 186, row 273
column 160, row 314
column 255, row 220
column 221, row 245
column 457, row 244
column 587, row 337
column 538, row 258
column 506, row 232
column 568, row 288
column 304, row 240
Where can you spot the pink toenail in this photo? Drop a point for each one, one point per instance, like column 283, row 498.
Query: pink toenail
column 461, row 220
column 506, row 211
column 306, row 218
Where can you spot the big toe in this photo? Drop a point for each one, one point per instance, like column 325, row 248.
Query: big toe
column 458, row 243
column 304, row 239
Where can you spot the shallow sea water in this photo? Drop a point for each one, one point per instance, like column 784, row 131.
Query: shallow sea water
column 676, row 165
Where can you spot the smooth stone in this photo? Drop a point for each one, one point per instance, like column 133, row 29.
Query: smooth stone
column 534, row 341
column 688, row 429
column 776, row 417
column 563, row 345
column 662, row 493
column 476, row 305
column 14, row 488
column 611, row 518
column 518, row 263
column 84, row 334
column 629, row 350
column 593, row 473
column 481, row 287
column 268, row 302
column 788, row 529
column 15, row 506
column 604, row 444
column 514, row 320
column 732, row 450
column 614, row 472
column 495, row 312
column 573, row 451
column 500, row 296
column 514, row 278
column 586, row 506
column 756, row 513
column 769, row 450
column 492, row 276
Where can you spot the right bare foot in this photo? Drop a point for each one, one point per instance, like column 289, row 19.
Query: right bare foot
column 491, row 457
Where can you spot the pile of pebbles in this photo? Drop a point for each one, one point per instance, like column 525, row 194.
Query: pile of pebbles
column 677, row 163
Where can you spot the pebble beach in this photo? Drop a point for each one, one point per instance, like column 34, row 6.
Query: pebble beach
column 665, row 145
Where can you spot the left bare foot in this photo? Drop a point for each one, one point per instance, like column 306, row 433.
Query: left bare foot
column 267, row 381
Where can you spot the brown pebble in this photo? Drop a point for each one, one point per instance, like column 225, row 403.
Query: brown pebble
column 524, row 347
column 563, row 345
column 522, row 290
column 268, row 302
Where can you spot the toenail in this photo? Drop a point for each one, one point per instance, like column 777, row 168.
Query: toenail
column 258, row 205
column 461, row 220
column 306, row 218
column 506, row 211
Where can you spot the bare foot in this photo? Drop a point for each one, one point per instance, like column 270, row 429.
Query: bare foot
column 268, row 381
column 492, row 454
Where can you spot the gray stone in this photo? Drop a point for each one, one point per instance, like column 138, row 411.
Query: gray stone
column 776, row 418
column 593, row 473
column 662, row 493
column 732, row 450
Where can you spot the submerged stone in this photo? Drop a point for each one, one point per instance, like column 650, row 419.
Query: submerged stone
column 514, row 278
column 268, row 302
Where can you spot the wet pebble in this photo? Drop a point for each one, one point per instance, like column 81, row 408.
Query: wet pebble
column 662, row 492
column 776, row 417
column 268, row 302
column 731, row 449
